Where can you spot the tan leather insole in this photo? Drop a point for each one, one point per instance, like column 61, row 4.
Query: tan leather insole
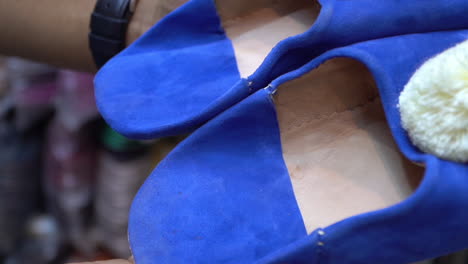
column 256, row 26
column 337, row 146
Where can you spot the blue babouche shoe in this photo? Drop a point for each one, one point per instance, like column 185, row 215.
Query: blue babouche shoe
column 205, row 57
column 271, row 179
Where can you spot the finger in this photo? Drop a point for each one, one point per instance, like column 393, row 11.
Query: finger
column 115, row 261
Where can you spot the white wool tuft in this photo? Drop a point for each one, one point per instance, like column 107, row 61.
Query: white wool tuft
column 434, row 105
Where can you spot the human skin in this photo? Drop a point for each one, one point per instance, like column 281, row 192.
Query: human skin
column 115, row 261
column 56, row 31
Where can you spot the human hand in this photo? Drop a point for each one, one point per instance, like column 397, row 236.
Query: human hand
column 114, row 261
column 147, row 13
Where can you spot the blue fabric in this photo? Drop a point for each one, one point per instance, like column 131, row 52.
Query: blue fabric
column 183, row 72
column 213, row 199
column 177, row 69
column 224, row 195
column 430, row 223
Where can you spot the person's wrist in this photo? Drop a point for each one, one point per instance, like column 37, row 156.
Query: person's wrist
column 136, row 22
column 146, row 14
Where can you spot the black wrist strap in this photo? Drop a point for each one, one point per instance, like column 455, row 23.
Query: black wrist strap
column 109, row 23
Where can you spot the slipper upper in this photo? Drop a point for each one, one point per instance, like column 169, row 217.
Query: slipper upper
column 183, row 71
column 177, row 69
column 224, row 194
column 430, row 223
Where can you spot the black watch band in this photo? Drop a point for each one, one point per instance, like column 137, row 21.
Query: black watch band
column 109, row 23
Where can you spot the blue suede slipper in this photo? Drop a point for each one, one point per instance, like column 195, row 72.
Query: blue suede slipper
column 187, row 68
column 235, row 191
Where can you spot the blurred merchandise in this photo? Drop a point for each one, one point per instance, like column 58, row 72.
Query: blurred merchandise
column 32, row 89
column 69, row 181
column 123, row 166
column 3, row 78
column 19, row 182
column 6, row 101
column 42, row 243
column 75, row 104
column 27, row 90
column 70, row 162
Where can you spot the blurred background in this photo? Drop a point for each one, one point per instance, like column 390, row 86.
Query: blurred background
column 66, row 179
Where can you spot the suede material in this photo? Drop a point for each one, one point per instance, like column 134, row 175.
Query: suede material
column 224, row 195
column 195, row 209
column 183, row 72
column 168, row 72
column 430, row 223
column 343, row 22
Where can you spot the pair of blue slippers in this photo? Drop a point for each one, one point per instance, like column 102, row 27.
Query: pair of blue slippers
column 270, row 175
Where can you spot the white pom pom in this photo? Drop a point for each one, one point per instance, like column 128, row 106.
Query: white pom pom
column 434, row 105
